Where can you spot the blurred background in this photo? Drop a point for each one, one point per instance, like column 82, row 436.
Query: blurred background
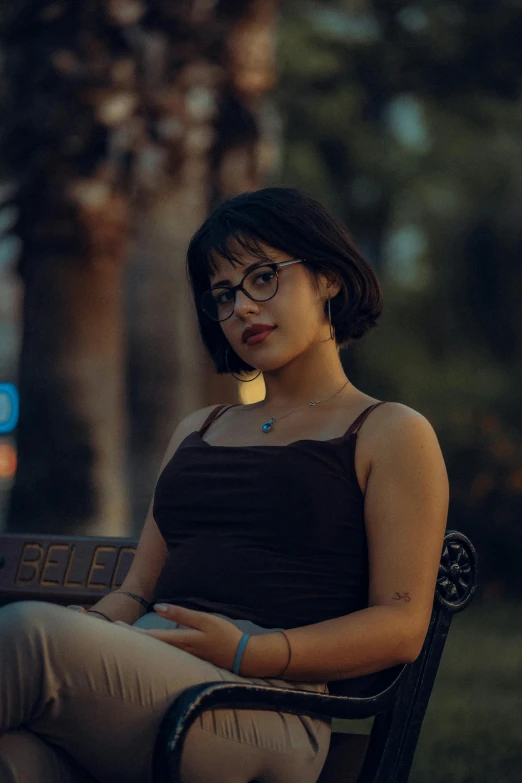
column 124, row 122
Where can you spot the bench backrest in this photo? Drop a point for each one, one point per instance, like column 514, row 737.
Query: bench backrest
column 62, row 569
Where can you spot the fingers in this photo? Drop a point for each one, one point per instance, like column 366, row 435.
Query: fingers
column 175, row 637
column 75, row 608
column 194, row 621
column 191, row 618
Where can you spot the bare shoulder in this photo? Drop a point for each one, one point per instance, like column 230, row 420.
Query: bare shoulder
column 393, row 428
column 195, row 419
column 395, row 415
column 190, row 423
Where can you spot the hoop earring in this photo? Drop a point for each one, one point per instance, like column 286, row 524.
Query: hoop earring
column 332, row 330
column 243, row 380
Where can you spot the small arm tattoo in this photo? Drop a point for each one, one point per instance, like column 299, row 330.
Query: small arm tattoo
column 398, row 597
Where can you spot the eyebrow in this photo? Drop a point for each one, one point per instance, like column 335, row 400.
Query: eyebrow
column 246, row 271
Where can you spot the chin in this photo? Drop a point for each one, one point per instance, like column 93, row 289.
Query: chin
column 268, row 365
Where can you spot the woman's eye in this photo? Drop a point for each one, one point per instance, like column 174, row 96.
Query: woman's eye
column 223, row 297
column 264, row 277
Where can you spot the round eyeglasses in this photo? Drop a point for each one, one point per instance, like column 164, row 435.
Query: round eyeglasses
column 260, row 284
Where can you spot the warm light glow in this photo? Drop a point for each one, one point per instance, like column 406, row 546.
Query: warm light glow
column 7, row 460
column 253, row 391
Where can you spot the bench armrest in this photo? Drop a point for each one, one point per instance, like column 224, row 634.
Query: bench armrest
column 210, row 695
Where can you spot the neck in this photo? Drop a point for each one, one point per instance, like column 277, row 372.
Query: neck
column 314, row 375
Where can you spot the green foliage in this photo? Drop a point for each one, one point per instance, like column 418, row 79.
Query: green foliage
column 406, row 120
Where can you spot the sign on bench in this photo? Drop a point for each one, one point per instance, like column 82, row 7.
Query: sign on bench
column 62, row 569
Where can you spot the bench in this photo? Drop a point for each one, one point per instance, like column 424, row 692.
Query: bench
column 62, row 569
column 80, row 570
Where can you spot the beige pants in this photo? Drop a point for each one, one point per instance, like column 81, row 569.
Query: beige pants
column 81, row 701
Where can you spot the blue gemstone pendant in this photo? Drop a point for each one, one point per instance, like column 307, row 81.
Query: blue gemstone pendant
column 268, row 426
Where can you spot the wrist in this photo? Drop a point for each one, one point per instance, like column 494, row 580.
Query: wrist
column 265, row 655
column 117, row 605
column 141, row 600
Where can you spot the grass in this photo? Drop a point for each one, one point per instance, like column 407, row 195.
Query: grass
column 472, row 731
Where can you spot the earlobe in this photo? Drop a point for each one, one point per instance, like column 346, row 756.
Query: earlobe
column 333, row 289
column 333, row 286
column 329, row 286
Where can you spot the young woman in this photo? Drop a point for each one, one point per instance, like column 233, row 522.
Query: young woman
column 294, row 541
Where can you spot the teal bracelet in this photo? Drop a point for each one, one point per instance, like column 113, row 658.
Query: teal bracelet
column 239, row 654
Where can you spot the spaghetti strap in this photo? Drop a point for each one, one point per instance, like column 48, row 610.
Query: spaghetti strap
column 355, row 426
column 214, row 414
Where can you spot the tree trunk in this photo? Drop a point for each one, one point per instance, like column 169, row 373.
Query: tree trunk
column 61, row 110
column 71, row 436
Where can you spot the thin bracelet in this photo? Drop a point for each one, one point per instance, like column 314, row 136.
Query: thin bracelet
column 138, row 598
column 95, row 611
column 289, row 655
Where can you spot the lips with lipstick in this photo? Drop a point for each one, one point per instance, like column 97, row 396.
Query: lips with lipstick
column 256, row 333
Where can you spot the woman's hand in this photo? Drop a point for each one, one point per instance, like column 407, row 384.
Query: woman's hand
column 208, row 637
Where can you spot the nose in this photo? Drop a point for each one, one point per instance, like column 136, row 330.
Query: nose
column 244, row 305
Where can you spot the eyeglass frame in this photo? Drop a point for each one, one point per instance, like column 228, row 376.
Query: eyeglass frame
column 274, row 264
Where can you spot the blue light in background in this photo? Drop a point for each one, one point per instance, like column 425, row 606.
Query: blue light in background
column 9, row 407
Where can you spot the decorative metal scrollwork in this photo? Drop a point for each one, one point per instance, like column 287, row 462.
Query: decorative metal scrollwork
column 458, row 569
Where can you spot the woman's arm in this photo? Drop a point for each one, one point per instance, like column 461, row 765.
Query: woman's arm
column 151, row 551
column 406, row 506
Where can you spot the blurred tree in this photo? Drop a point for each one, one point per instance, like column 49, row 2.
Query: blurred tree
column 405, row 118
column 60, row 62
column 113, row 114
column 206, row 70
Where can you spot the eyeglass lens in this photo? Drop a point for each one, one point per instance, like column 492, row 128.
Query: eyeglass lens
column 260, row 284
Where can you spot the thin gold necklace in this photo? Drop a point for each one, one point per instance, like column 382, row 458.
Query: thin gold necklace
column 267, row 427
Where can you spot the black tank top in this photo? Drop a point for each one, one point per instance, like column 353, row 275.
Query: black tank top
column 271, row 534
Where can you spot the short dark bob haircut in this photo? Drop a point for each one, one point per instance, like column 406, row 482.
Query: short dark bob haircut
column 291, row 221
